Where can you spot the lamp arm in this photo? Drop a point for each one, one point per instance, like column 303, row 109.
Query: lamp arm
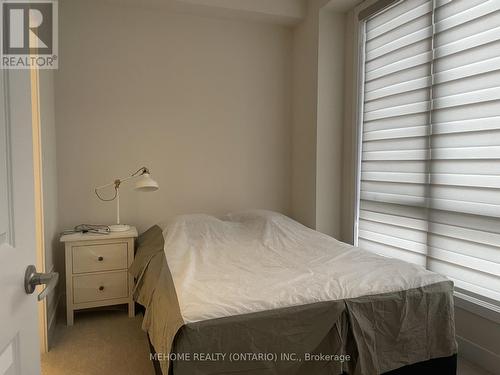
column 142, row 170
column 104, row 186
column 117, row 183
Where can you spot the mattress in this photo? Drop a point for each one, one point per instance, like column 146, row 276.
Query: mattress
column 258, row 282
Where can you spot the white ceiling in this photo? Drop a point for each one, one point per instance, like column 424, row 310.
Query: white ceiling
column 342, row 5
column 278, row 11
column 286, row 12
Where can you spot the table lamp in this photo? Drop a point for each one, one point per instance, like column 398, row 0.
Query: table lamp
column 144, row 183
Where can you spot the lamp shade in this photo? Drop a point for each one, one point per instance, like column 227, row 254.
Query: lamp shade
column 146, row 183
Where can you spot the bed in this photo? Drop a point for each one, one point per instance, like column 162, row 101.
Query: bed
column 256, row 292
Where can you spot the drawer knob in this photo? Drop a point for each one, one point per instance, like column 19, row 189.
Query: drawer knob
column 101, row 288
column 100, row 259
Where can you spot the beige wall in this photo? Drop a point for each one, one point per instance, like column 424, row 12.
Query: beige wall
column 330, row 122
column 349, row 165
column 478, row 337
column 304, row 116
column 204, row 102
column 318, row 118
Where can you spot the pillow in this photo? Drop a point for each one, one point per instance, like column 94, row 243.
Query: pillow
column 253, row 214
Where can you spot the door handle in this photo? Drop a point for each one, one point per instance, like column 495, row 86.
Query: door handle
column 33, row 278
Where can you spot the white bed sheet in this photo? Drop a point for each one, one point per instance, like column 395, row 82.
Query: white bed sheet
column 261, row 260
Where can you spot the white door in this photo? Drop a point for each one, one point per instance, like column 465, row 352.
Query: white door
column 19, row 342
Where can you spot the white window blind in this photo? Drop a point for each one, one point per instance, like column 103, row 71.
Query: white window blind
column 395, row 147
column 430, row 166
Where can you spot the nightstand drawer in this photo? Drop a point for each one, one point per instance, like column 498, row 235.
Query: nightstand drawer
column 105, row 257
column 98, row 287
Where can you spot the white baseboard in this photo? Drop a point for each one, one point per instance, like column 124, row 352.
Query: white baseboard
column 478, row 355
column 52, row 319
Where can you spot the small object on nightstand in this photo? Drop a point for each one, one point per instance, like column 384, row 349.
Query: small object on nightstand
column 97, row 270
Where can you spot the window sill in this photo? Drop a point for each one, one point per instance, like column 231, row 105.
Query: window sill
column 478, row 307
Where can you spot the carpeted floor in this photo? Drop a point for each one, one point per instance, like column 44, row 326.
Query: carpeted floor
column 109, row 342
column 99, row 343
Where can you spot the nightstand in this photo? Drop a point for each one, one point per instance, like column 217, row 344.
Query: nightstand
column 97, row 270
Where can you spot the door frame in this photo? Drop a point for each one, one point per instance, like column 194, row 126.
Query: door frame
column 38, row 188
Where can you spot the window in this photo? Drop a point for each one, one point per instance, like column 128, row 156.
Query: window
column 429, row 186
